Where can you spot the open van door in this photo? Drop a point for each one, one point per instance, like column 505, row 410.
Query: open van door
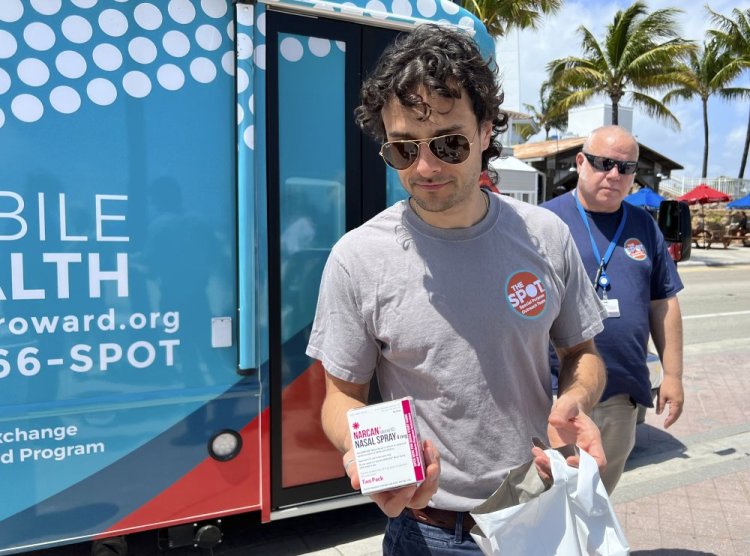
column 674, row 223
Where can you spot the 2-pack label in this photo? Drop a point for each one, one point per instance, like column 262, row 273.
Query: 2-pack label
column 386, row 445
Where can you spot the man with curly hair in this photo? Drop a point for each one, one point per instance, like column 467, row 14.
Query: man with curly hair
column 451, row 297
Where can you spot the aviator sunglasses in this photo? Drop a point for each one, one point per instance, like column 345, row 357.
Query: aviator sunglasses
column 453, row 148
column 604, row 164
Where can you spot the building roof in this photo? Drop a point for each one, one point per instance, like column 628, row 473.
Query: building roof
column 518, row 115
column 511, row 163
column 544, row 149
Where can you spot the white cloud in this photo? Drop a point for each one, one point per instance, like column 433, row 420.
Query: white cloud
column 730, row 149
column 736, row 138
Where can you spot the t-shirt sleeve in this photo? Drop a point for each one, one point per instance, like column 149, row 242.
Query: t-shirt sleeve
column 581, row 311
column 340, row 338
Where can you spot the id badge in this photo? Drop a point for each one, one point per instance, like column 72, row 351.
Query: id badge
column 613, row 307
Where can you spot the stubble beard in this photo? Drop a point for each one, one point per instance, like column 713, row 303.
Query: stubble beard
column 438, row 203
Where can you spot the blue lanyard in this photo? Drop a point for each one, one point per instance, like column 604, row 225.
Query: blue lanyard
column 602, row 280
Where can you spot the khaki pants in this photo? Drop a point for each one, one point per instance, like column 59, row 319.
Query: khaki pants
column 615, row 418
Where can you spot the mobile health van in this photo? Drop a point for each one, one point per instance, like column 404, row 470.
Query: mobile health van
column 173, row 174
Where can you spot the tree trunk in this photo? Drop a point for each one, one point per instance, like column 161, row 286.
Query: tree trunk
column 615, row 111
column 704, row 173
column 744, row 153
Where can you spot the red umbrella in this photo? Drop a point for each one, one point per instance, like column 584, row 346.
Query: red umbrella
column 704, row 194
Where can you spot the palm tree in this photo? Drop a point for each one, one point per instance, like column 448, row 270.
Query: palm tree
column 547, row 116
column 499, row 16
column 708, row 72
column 734, row 34
column 638, row 56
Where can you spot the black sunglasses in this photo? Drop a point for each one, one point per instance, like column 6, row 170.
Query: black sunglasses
column 451, row 149
column 604, row 164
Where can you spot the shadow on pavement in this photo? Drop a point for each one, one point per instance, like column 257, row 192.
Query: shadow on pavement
column 671, row 552
column 244, row 535
column 653, row 445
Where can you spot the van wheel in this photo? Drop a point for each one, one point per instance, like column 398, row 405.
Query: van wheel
column 114, row 546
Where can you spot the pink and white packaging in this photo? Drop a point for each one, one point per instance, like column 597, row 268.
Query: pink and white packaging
column 386, row 445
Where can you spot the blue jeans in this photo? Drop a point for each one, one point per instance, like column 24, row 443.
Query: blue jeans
column 405, row 536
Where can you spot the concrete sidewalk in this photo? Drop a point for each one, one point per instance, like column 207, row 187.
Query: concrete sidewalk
column 718, row 256
column 686, row 491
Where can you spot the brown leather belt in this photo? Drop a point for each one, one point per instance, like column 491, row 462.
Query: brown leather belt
column 441, row 518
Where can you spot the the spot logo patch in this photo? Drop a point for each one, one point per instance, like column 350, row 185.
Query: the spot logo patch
column 635, row 249
column 526, row 294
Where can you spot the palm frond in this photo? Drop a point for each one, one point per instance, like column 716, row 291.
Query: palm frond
column 734, row 93
column 499, row 16
column 574, row 99
column 679, row 94
column 655, row 109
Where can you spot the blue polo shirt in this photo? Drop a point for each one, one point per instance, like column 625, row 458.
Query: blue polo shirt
column 640, row 271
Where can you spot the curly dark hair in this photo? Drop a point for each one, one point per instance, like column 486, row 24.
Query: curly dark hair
column 445, row 62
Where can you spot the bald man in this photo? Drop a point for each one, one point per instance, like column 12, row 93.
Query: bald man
column 627, row 261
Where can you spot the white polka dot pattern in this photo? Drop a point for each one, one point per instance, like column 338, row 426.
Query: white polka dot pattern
column 208, row 37
column 214, row 8
column 319, row 47
column 46, row 7
column 147, row 16
column 182, row 11
column 64, row 54
column 113, row 23
column 27, row 108
column 244, row 46
column 85, row 4
column 402, row 7
column 33, row 72
column 136, row 84
column 203, row 70
column 4, row 81
column 227, row 62
column 8, row 44
column 243, row 81
column 170, row 77
column 101, row 91
column 11, row 10
column 291, row 49
column 176, row 44
column 70, row 64
column 427, row 8
column 142, row 50
column 39, row 36
column 77, row 29
column 64, row 99
column 107, row 57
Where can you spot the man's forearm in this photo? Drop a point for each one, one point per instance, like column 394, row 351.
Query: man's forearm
column 582, row 374
column 340, row 398
column 666, row 331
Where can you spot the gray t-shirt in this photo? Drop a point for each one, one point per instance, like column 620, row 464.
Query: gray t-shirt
column 459, row 319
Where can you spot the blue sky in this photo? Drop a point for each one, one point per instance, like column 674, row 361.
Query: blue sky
column 727, row 121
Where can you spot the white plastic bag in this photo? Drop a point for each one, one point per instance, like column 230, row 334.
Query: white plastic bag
column 574, row 517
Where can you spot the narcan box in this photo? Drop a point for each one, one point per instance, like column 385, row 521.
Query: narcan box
column 386, row 445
